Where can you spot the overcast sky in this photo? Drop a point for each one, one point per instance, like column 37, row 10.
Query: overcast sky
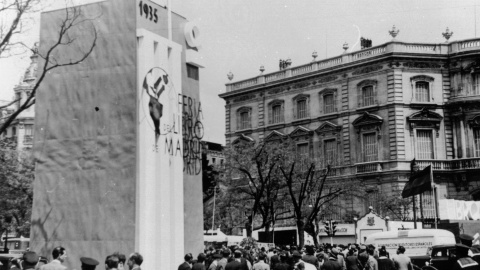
column 241, row 35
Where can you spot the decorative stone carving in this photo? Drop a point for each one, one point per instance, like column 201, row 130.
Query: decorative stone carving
column 243, row 137
column 368, row 121
column 274, row 136
column 422, row 65
column 244, row 98
column 329, row 129
column 425, row 118
column 301, row 131
column 474, row 121
column 367, row 70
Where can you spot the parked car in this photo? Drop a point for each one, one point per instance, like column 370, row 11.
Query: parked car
column 442, row 257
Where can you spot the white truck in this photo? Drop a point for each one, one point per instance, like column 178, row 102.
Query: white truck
column 418, row 243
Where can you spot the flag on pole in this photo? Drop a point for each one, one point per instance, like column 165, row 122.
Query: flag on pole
column 418, row 183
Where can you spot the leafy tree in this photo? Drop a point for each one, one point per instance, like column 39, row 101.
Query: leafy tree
column 10, row 38
column 16, row 194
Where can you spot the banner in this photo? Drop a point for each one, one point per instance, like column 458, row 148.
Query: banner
column 419, row 183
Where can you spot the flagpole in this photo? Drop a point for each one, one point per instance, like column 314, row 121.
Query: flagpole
column 434, row 195
column 412, row 171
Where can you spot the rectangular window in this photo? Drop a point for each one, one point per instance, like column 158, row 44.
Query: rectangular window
column 476, row 139
column 424, row 144
column 277, row 116
column 301, row 109
column 368, row 96
column 422, row 92
column 302, row 149
column 476, row 84
column 14, row 131
column 372, row 199
column 192, row 72
column 370, row 147
column 244, row 120
column 328, row 103
column 330, row 152
column 28, row 130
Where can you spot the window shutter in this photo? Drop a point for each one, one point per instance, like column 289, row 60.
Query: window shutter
column 270, row 115
column 375, row 100
column 238, row 120
column 249, row 124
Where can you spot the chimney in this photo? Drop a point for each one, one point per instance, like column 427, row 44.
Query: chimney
column 365, row 43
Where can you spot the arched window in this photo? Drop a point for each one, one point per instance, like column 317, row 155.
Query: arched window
column 244, row 118
column 276, row 112
column 301, row 106
column 422, row 86
column 328, row 100
column 367, row 93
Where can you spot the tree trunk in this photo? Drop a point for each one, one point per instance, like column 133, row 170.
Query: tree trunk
column 267, row 233
column 248, row 226
column 301, row 233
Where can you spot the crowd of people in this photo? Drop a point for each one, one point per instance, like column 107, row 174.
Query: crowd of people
column 325, row 257
column 32, row 261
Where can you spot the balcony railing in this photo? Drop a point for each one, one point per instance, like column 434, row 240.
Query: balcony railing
column 391, row 47
column 448, row 165
column 369, row 167
column 466, row 163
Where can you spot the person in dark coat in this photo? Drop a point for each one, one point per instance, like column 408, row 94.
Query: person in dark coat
column 384, row 263
column 351, row 260
column 187, row 264
column 464, row 262
column 200, row 264
column 283, row 264
column 331, row 263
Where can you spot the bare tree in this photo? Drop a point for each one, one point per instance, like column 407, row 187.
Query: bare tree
column 395, row 206
column 252, row 181
column 73, row 20
column 309, row 189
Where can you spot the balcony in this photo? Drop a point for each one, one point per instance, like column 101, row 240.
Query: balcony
column 449, row 165
column 369, row 167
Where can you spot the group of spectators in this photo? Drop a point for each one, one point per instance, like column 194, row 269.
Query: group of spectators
column 31, row 261
column 325, row 257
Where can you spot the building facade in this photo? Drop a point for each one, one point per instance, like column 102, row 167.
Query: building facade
column 21, row 129
column 369, row 113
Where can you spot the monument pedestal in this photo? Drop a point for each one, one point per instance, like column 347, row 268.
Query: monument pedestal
column 110, row 139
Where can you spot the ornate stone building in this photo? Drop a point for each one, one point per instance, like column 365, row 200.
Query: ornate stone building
column 369, row 113
column 22, row 127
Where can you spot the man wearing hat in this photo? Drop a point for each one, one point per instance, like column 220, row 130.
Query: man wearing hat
column 237, row 263
column 464, row 262
column 332, row 262
column 216, row 258
column 30, row 260
column 88, row 263
column 474, row 252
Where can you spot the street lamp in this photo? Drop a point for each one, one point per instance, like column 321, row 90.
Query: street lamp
column 8, row 221
column 355, row 219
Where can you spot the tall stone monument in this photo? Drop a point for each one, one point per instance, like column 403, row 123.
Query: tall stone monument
column 117, row 137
